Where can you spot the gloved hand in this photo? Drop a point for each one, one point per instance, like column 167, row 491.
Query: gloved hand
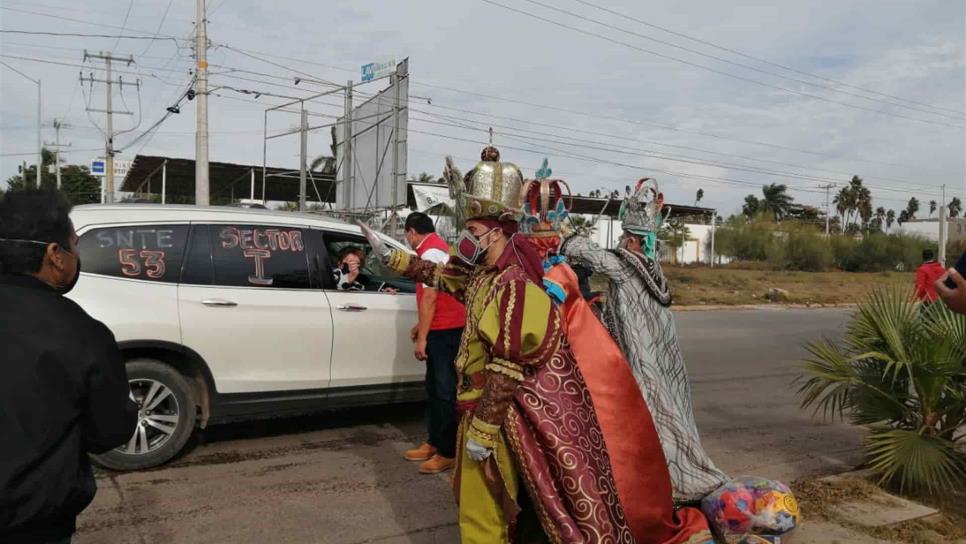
column 379, row 248
column 477, row 452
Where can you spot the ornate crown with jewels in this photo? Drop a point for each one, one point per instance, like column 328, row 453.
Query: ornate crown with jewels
column 543, row 203
column 490, row 189
column 640, row 212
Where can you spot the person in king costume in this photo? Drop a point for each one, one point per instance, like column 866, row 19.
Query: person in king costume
column 526, row 414
column 638, row 314
column 640, row 469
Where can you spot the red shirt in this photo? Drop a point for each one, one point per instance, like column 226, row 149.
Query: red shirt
column 926, row 276
column 449, row 313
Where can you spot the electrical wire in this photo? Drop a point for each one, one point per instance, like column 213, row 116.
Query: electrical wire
column 759, row 59
column 959, row 116
column 719, row 72
column 164, row 17
column 598, row 116
column 124, row 24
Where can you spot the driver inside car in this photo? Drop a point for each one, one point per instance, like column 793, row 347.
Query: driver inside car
column 349, row 276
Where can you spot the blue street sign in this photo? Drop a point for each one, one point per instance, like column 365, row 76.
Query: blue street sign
column 98, row 167
column 368, row 71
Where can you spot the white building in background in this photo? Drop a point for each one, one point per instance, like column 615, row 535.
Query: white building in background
column 929, row 228
column 694, row 250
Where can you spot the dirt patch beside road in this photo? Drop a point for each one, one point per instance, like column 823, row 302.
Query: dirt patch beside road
column 728, row 286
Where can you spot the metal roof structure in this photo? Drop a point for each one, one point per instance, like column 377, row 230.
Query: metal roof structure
column 585, row 205
column 227, row 180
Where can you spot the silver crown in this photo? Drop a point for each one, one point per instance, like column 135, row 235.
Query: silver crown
column 640, row 212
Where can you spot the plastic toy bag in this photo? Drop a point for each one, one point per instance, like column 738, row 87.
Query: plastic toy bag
column 751, row 510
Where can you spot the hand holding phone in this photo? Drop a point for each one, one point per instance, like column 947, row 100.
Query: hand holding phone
column 961, row 268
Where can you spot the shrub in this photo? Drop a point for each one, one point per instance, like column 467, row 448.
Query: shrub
column 792, row 246
column 900, row 372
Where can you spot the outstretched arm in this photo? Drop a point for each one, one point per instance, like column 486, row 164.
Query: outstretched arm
column 598, row 259
column 450, row 277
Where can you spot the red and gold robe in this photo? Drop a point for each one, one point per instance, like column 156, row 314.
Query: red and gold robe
column 640, row 469
column 520, row 392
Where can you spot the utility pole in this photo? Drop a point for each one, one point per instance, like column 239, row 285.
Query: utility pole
column 303, row 155
column 943, row 228
column 202, row 188
column 109, row 133
column 56, row 145
column 347, row 147
column 828, row 189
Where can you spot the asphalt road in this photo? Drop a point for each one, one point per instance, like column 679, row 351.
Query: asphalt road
column 340, row 477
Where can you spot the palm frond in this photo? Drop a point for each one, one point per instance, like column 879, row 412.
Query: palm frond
column 830, row 375
column 916, row 462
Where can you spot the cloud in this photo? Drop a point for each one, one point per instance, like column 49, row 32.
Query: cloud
column 912, row 50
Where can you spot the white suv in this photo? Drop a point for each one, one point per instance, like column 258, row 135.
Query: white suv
column 226, row 314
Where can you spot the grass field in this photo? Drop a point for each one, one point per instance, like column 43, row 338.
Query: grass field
column 729, row 286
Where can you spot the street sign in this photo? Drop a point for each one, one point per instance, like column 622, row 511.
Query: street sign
column 99, row 167
column 376, row 70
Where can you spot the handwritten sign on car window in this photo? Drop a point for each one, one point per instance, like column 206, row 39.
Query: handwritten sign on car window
column 258, row 244
column 139, row 251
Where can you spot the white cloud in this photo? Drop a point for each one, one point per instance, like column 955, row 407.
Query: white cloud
column 912, row 50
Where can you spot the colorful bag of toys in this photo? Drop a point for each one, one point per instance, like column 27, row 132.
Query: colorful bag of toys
column 752, row 510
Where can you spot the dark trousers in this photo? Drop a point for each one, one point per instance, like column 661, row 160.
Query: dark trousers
column 441, row 422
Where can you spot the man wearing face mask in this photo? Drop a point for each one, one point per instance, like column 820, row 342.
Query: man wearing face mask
column 64, row 391
column 531, row 464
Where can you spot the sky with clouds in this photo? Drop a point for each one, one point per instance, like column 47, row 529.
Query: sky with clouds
column 869, row 87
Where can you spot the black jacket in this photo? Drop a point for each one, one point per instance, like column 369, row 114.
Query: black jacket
column 63, row 394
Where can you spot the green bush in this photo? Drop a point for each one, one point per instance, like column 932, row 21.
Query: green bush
column 793, row 246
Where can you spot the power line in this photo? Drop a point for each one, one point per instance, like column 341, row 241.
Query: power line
column 636, row 122
column 598, row 116
column 88, row 67
column 716, row 71
column 958, row 115
column 127, row 15
column 586, row 144
column 84, row 34
column 82, row 21
column 759, row 59
column 164, row 17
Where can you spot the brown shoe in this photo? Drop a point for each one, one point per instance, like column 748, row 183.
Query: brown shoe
column 436, row 464
column 422, row 453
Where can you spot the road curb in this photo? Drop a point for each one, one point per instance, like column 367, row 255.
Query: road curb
column 720, row 307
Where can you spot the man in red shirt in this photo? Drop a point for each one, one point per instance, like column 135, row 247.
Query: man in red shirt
column 437, row 340
column 926, row 276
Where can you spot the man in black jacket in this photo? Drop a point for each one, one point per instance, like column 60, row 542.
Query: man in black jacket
column 63, row 388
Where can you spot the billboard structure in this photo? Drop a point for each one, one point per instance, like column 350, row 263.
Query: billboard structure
column 371, row 155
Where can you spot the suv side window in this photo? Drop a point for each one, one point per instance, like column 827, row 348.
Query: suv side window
column 377, row 274
column 143, row 252
column 259, row 256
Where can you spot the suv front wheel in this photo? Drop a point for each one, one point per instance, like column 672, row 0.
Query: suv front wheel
column 166, row 417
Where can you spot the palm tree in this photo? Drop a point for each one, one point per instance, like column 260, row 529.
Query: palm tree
column 880, row 217
column 698, row 196
column 844, row 202
column 776, row 200
column 912, row 207
column 751, row 206
column 932, row 207
column 955, row 206
column 903, row 217
column 890, row 218
column 899, row 372
column 426, row 178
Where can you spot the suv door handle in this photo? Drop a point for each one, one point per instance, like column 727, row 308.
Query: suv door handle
column 219, row 302
column 351, row 308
